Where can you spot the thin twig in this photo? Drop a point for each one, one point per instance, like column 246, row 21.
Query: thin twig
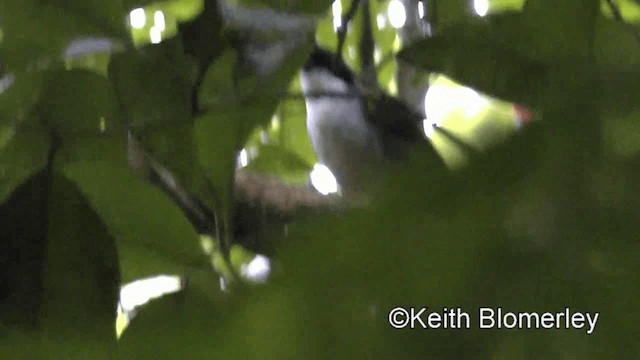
column 317, row 95
column 617, row 15
column 344, row 27
column 614, row 10
column 368, row 73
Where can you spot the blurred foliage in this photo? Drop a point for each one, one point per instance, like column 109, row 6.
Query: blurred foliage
column 539, row 220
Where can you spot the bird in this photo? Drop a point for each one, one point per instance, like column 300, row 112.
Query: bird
column 357, row 136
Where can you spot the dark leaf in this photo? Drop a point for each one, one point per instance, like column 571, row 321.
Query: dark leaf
column 23, row 156
column 62, row 276
column 18, row 93
column 153, row 84
column 36, row 34
column 139, row 217
column 81, row 270
column 486, row 54
column 80, row 103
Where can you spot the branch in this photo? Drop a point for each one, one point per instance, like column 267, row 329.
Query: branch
column 319, row 94
column 367, row 45
column 414, row 29
column 258, row 199
column 277, row 197
column 344, row 27
column 617, row 15
column 614, row 10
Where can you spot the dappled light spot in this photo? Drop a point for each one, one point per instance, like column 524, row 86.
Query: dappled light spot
column 275, row 123
column 323, row 180
column 428, row 127
column 90, row 45
column 243, row 158
column 6, row 82
column 420, row 9
column 441, row 100
column 382, row 21
column 141, row 291
column 336, row 10
column 155, row 34
column 258, row 269
column 397, row 14
column 137, row 18
column 158, row 20
column 475, row 102
column 351, row 51
column 377, row 55
column 481, row 7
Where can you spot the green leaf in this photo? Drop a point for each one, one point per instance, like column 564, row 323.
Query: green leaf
column 203, row 37
column 618, row 92
column 225, row 128
column 96, row 62
column 173, row 12
column 21, row 92
column 506, row 5
column 36, row 34
column 278, row 161
column 155, row 88
column 153, row 84
column 189, row 317
column 217, row 140
column 23, row 345
column 616, row 46
column 23, row 243
column 326, row 34
column 59, row 273
column 561, row 29
column 181, row 9
column 265, row 91
column 139, row 260
column 486, row 54
column 629, row 9
column 24, row 155
column 293, row 131
column 217, row 87
column 81, row 277
column 492, row 55
column 96, row 114
column 447, row 13
column 112, row 149
column 139, row 216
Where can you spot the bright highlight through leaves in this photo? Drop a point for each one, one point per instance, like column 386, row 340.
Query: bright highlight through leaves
column 323, row 180
column 397, row 14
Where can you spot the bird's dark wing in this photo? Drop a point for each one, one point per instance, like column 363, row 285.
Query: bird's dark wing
column 400, row 129
column 394, row 117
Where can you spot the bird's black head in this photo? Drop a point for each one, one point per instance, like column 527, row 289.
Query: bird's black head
column 323, row 59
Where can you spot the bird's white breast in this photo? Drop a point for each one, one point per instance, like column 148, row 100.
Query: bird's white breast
column 339, row 133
